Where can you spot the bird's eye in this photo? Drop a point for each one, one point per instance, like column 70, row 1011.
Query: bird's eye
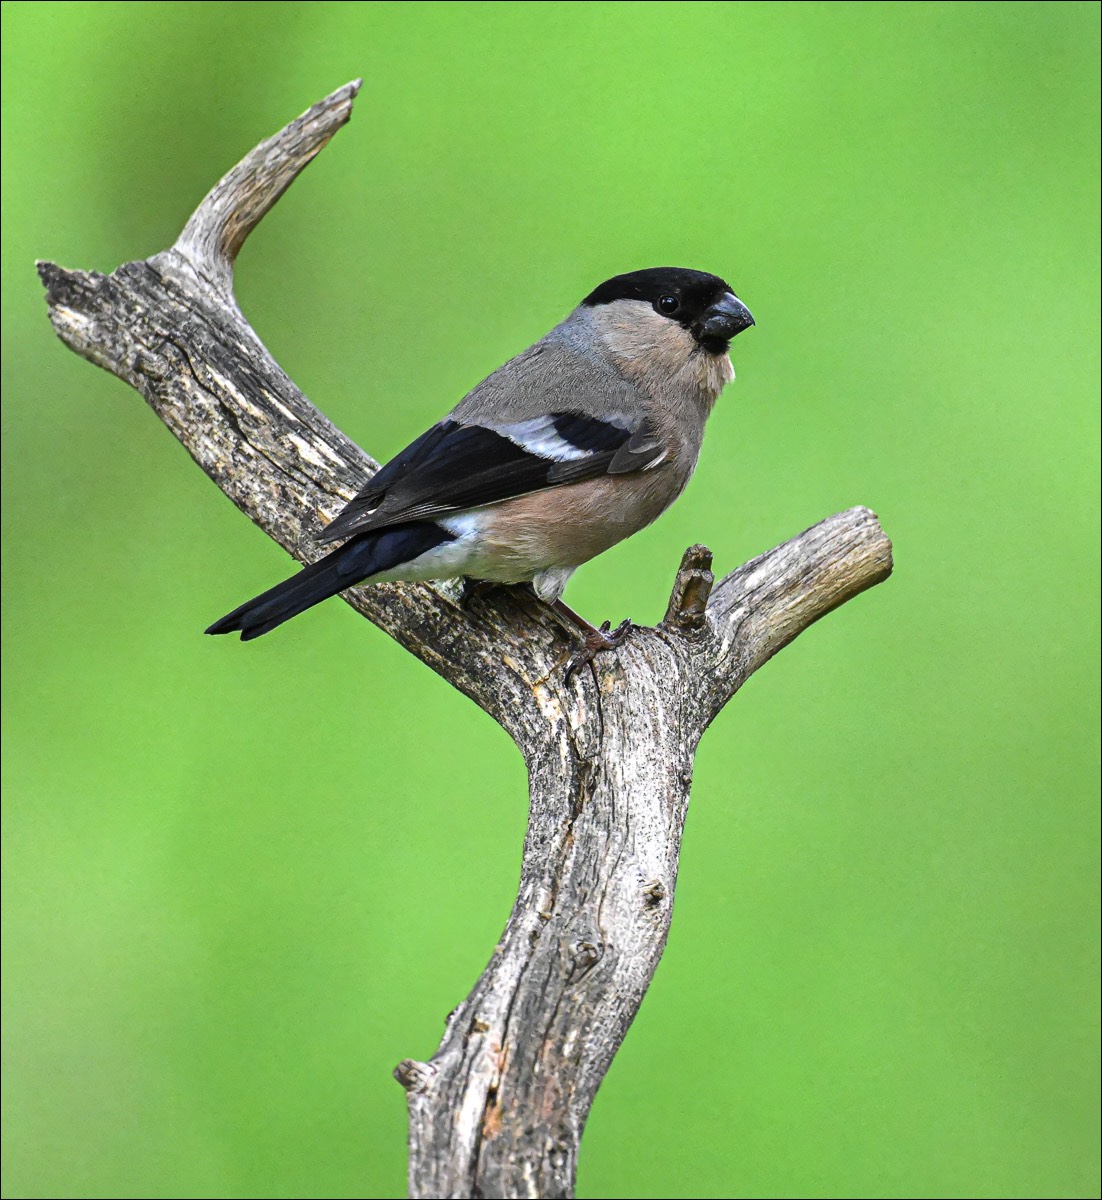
column 667, row 305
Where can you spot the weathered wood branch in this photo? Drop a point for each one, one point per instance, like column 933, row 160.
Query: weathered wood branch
column 500, row 1108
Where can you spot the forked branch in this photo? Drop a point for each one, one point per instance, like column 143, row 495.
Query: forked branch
column 500, row 1108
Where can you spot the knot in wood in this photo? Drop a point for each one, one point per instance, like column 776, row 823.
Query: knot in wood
column 586, row 955
column 559, row 1158
column 414, row 1076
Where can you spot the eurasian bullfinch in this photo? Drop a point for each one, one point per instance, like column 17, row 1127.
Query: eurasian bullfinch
column 577, row 443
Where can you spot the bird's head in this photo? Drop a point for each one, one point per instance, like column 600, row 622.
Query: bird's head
column 668, row 323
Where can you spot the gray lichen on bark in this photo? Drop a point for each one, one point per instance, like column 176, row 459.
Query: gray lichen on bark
column 500, row 1107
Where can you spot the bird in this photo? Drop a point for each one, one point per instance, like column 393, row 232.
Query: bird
column 578, row 442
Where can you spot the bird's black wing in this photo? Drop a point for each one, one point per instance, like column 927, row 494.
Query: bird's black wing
column 455, row 466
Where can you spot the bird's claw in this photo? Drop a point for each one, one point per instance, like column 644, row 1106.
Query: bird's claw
column 596, row 642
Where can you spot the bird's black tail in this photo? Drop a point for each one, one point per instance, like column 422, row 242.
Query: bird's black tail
column 310, row 586
column 356, row 561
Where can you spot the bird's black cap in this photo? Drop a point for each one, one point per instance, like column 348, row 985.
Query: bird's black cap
column 704, row 304
column 696, row 289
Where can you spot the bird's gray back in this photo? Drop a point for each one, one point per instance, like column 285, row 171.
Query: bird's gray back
column 569, row 370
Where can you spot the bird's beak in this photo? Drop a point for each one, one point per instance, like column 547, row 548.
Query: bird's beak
column 726, row 318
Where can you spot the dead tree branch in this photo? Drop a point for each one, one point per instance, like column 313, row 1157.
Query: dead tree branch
column 500, row 1108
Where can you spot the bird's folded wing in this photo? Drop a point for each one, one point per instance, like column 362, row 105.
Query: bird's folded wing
column 456, row 465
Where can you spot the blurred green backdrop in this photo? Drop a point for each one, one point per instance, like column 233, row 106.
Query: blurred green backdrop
column 244, row 881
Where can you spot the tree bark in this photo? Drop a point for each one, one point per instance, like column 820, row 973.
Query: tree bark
column 500, row 1108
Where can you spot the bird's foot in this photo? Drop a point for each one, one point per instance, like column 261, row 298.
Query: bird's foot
column 596, row 641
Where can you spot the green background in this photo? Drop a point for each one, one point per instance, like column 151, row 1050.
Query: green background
column 244, row 881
